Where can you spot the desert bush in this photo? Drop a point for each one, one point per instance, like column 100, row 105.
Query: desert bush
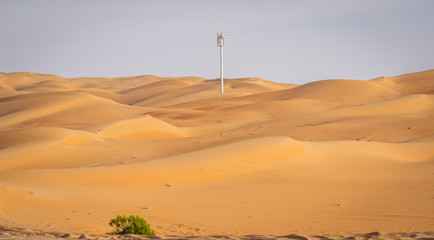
column 131, row 225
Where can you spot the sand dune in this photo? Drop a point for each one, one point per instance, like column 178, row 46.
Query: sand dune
column 326, row 160
column 38, row 147
column 60, row 109
column 139, row 94
column 420, row 82
column 20, row 79
column 46, row 86
column 146, row 128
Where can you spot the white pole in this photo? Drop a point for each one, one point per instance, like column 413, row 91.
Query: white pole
column 221, row 43
column 221, row 70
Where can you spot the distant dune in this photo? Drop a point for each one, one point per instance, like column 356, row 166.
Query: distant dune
column 337, row 157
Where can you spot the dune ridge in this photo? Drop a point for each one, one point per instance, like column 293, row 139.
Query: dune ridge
column 327, row 160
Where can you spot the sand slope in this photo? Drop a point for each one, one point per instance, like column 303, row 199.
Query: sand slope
column 329, row 157
column 63, row 109
column 146, row 128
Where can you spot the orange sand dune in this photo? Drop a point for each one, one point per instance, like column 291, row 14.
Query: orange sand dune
column 147, row 128
column 63, row 108
column 36, row 147
column 327, row 157
column 420, row 82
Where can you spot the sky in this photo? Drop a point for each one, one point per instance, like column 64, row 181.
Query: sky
column 288, row 41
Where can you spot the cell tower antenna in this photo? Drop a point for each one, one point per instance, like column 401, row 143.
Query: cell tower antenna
column 221, row 43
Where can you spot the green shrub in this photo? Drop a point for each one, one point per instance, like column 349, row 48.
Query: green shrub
column 131, row 225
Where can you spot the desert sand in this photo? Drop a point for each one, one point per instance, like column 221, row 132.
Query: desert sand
column 331, row 157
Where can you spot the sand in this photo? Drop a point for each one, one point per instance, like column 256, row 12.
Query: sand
column 331, row 158
column 17, row 233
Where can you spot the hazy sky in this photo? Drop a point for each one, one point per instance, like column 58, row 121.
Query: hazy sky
column 294, row 41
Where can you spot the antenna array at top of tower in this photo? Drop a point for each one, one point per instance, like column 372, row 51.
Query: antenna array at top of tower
column 221, row 39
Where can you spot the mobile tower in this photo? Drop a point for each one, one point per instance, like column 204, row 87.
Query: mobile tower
column 221, row 43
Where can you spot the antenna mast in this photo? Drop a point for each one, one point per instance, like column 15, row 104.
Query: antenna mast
column 220, row 43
